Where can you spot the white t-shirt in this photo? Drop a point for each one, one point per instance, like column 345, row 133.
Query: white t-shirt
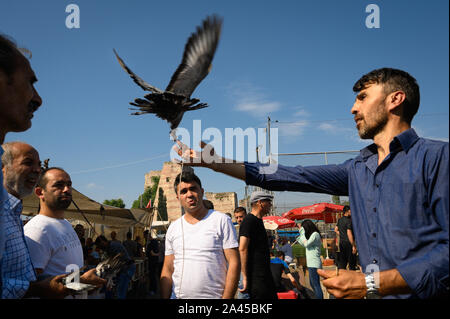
column 201, row 273
column 53, row 245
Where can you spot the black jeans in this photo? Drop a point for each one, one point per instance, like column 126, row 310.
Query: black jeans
column 346, row 256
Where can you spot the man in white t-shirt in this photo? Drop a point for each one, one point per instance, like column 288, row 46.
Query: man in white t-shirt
column 201, row 256
column 53, row 243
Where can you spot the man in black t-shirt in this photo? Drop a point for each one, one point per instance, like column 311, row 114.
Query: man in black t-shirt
column 254, row 252
column 152, row 252
column 347, row 246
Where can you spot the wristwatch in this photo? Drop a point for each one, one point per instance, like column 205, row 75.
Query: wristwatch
column 372, row 290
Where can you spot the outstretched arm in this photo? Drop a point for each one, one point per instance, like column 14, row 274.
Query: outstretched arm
column 209, row 159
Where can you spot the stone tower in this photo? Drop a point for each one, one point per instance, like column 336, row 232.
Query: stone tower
column 166, row 191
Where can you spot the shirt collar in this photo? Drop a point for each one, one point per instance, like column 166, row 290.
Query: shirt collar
column 405, row 140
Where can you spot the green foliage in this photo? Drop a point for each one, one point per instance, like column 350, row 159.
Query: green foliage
column 300, row 251
column 115, row 202
column 162, row 206
column 336, row 200
column 149, row 193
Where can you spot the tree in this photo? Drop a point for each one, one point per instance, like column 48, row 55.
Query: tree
column 162, row 206
column 336, row 200
column 149, row 193
column 115, row 202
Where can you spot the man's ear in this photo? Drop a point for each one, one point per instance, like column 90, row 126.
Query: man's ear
column 38, row 191
column 395, row 99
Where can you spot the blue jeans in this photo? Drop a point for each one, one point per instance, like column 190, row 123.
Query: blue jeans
column 240, row 294
column 123, row 281
column 314, row 281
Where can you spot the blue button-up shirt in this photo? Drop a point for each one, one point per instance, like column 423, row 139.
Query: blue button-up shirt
column 399, row 208
column 16, row 268
column 3, row 198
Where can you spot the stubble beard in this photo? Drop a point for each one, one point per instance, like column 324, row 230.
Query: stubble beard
column 59, row 204
column 380, row 119
column 17, row 186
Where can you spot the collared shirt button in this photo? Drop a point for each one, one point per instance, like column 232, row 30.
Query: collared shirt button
column 374, row 261
column 374, row 235
column 374, row 209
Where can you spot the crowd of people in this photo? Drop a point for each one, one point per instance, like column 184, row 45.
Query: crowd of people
column 398, row 189
column 151, row 251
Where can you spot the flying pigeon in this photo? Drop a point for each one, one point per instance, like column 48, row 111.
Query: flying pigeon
column 171, row 104
column 109, row 268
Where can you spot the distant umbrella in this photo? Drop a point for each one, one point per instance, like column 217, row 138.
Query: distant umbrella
column 171, row 104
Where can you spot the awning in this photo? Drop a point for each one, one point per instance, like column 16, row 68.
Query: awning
column 93, row 211
column 320, row 211
column 277, row 222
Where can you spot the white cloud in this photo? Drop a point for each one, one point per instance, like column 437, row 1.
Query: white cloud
column 257, row 107
column 293, row 128
column 251, row 99
column 327, row 127
column 301, row 112
column 92, row 186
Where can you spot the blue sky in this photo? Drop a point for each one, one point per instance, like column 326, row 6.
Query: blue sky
column 295, row 61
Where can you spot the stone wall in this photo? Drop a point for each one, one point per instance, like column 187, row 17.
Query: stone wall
column 223, row 202
column 148, row 178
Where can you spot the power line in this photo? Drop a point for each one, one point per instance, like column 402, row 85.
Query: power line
column 120, row 165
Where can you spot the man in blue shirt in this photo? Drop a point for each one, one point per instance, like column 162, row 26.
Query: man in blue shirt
column 18, row 101
column 398, row 189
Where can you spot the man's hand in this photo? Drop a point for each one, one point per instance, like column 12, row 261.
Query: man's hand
column 209, row 159
column 90, row 277
column 49, row 288
column 348, row 284
column 193, row 158
column 244, row 285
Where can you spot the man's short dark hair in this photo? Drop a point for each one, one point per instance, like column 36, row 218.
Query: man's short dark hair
column 240, row 209
column 280, row 254
column 43, row 180
column 100, row 239
column 394, row 80
column 186, row 177
column 345, row 209
column 208, row 204
column 9, row 55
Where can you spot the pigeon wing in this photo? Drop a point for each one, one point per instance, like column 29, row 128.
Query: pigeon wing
column 144, row 85
column 198, row 55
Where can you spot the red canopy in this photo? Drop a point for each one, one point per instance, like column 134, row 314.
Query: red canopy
column 277, row 222
column 320, row 211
